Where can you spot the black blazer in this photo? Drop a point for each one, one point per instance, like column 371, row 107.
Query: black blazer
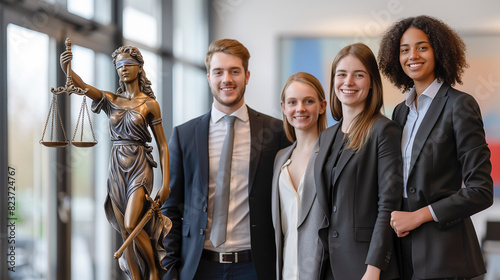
column 366, row 188
column 188, row 202
column 451, row 171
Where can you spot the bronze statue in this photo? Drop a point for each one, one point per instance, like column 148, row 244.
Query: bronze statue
column 128, row 207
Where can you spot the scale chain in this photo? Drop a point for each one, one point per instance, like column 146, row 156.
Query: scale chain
column 83, row 110
column 54, row 113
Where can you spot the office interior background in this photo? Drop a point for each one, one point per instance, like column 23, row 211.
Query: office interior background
column 57, row 221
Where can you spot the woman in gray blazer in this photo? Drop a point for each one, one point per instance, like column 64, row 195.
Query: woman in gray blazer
column 295, row 211
column 358, row 171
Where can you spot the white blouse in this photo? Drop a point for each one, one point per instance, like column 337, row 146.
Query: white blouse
column 290, row 213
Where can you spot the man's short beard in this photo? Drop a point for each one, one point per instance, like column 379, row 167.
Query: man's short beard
column 240, row 97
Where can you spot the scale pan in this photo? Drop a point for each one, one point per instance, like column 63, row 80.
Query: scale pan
column 54, row 144
column 84, row 144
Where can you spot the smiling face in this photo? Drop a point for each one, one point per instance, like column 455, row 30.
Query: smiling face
column 417, row 58
column 228, row 80
column 352, row 83
column 127, row 73
column 302, row 107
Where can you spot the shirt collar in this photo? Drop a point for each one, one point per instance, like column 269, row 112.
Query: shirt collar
column 241, row 113
column 431, row 92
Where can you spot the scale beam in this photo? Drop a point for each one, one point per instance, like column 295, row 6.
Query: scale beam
column 68, row 88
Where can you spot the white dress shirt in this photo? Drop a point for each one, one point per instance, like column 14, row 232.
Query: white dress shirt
column 290, row 213
column 238, row 224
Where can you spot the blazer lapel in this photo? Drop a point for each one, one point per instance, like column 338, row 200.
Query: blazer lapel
column 344, row 158
column 280, row 160
column 325, row 142
column 309, row 191
column 428, row 123
column 201, row 138
column 256, row 125
column 342, row 161
column 401, row 114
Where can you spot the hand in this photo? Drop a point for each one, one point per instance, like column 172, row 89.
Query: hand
column 64, row 59
column 403, row 222
column 371, row 273
column 400, row 223
column 156, row 206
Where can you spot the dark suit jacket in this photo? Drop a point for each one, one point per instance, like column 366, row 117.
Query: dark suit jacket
column 366, row 188
column 449, row 149
column 188, row 202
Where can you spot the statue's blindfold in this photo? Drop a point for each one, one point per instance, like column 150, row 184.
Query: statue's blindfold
column 126, row 61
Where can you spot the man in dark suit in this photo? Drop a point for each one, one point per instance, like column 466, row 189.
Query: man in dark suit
column 248, row 250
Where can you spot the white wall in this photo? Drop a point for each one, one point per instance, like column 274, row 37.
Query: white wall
column 259, row 23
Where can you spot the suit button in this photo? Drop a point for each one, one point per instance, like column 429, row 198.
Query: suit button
column 334, row 209
column 335, row 234
column 202, row 231
column 204, row 209
column 412, row 190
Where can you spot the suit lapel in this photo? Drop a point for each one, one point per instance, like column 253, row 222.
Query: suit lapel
column 428, row 123
column 201, row 138
column 309, row 193
column 256, row 126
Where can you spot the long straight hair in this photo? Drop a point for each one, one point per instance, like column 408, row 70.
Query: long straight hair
column 359, row 132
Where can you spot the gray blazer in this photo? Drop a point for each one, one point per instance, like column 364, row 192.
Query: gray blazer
column 310, row 250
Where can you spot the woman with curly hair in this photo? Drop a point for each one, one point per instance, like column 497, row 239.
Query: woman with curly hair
column 131, row 110
column 446, row 160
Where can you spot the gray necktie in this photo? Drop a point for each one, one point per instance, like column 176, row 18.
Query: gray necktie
column 221, row 197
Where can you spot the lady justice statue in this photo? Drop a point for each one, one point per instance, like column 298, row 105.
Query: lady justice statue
column 131, row 110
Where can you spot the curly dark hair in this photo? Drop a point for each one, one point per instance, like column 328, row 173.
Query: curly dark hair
column 449, row 51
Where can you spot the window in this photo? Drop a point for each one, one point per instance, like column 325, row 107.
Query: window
column 61, row 228
column 28, row 53
column 191, row 92
column 145, row 12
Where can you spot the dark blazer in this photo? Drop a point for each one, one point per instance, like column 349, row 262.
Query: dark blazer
column 188, row 202
column 366, row 188
column 449, row 149
column 311, row 254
